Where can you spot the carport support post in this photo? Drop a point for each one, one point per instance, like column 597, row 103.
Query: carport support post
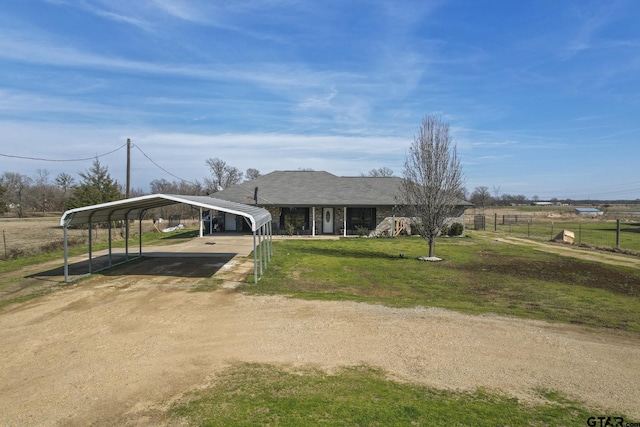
column 255, row 260
column 270, row 251
column 201, row 231
column 66, row 258
column 140, row 223
column 266, row 245
column 126, row 232
column 110, row 261
column 126, row 237
column 90, row 254
column 261, row 247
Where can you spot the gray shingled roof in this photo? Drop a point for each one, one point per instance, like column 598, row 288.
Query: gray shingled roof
column 315, row 188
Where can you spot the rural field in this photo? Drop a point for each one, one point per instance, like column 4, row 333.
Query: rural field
column 504, row 331
column 29, row 236
column 545, row 223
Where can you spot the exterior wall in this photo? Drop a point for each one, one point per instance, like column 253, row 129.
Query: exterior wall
column 382, row 212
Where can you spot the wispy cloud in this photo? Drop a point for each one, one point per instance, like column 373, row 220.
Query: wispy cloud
column 590, row 29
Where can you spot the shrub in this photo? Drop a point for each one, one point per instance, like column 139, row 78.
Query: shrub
column 290, row 229
column 362, row 231
column 456, row 229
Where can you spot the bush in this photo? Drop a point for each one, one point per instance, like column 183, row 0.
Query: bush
column 456, row 229
column 362, row 231
column 290, row 229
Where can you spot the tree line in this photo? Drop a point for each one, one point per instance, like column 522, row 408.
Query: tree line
column 28, row 195
column 482, row 197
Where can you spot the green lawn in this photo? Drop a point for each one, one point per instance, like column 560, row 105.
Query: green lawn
column 255, row 394
column 478, row 275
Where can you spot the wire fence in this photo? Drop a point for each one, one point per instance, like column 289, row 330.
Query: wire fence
column 621, row 234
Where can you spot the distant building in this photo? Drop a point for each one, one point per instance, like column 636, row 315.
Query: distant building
column 542, row 204
column 589, row 212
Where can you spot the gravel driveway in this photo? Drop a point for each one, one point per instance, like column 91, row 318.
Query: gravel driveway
column 119, row 350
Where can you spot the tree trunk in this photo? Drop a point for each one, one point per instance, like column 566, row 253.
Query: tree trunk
column 432, row 247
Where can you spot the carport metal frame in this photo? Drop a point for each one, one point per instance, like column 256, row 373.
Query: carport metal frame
column 257, row 218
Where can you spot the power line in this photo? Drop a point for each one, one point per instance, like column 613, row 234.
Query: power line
column 160, row 167
column 62, row 160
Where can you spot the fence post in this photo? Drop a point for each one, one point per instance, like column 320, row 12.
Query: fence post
column 528, row 229
column 617, row 234
column 551, row 230
column 495, row 222
column 579, row 233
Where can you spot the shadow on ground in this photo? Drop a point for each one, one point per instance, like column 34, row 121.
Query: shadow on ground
column 199, row 265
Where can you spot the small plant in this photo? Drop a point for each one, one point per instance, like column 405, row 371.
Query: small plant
column 362, row 231
column 290, row 229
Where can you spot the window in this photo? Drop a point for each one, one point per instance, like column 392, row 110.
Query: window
column 295, row 220
column 361, row 217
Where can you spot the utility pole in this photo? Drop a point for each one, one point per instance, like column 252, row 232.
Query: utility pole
column 128, row 168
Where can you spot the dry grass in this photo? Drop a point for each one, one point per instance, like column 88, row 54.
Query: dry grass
column 28, row 236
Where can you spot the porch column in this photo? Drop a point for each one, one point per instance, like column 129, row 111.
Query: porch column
column 200, row 220
column 313, row 221
column 344, row 231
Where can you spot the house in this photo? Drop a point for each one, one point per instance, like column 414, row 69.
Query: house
column 318, row 202
column 589, row 212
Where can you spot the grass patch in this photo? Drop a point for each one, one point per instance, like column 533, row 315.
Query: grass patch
column 259, row 394
column 24, row 298
column 207, row 285
column 477, row 276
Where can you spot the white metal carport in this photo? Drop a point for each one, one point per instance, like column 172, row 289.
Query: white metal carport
column 134, row 208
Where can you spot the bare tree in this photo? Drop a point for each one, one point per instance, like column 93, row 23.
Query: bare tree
column 65, row 182
column 16, row 185
column 3, row 191
column 432, row 179
column 43, row 195
column 222, row 175
column 481, row 197
column 380, row 172
column 252, row 174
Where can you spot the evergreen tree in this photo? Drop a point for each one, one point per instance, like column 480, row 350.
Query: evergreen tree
column 96, row 187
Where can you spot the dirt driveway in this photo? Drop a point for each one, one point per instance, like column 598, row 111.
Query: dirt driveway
column 118, row 349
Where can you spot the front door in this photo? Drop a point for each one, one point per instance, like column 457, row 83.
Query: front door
column 327, row 220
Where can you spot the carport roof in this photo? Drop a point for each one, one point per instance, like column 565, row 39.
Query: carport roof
column 132, row 209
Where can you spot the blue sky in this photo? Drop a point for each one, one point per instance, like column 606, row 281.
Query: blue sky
column 543, row 97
